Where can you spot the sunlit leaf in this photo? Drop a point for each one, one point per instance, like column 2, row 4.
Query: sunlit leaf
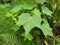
column 36, row 12
column 29, row 36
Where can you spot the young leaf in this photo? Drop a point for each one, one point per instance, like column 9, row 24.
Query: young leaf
column 46, row 11
column 29, row 36
column 36, row 12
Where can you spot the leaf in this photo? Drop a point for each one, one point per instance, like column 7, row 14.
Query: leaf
column 58, row 44
column 58, row 3
column 8, row 14
column 40, row 1
column 36, row 12
column 16, row 9
column 46, row 28
column 28, row 21
column 4, row 5
column 28, row 5
column 46, row 11
column 58, row 40
column 29, row 36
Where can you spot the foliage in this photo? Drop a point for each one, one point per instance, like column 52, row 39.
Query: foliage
column 25, row 22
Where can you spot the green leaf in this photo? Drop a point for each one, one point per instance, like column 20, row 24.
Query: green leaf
column 8, row 14
column 28, row 4
column 46, row 28
column 29, row 36
column 28, row 21
column 36, row 12
column 58, row 44
column 58, row 3
column 4, row 5
column 40, row 1
column 16, row 9
column 58, row 40
column 46, row 11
